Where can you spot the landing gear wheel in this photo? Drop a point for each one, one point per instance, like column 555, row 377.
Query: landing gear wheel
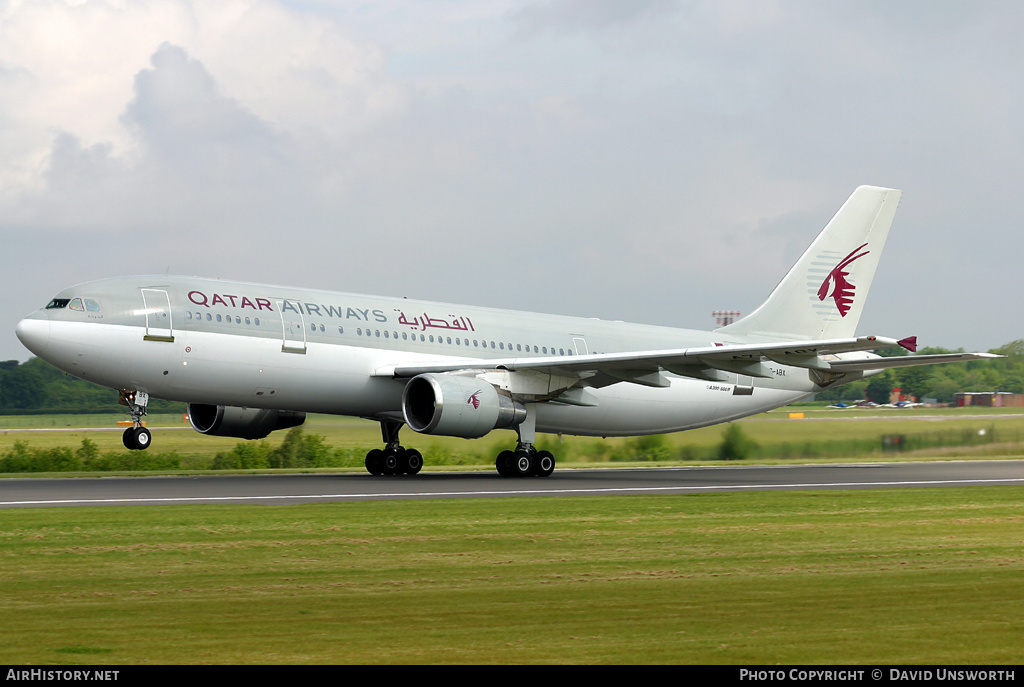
column 143, row 438
column 390, row 462
column 136, row 438
column 523, row 464
column 411, row 461
column 543, row 464
column 375, row 462
column 504, row 463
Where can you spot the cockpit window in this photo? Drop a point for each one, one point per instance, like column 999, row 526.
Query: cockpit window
column 91, row 305
column 58, row 303
column 76, row 304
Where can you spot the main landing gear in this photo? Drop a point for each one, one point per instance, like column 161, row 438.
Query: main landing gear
column 136, row 437
column 393, row 459
column 526, row 460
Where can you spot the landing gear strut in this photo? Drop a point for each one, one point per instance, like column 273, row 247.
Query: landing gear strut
column 393, row 459
column 136, row 437
column 526, row 460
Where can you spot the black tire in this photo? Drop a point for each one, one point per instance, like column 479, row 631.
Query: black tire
column 375, row 462
column 523, row 464
column 504, row 463
column 390, row 463
column 142, row 438
column 128, row 438
column 544, row 464
column 412, row 461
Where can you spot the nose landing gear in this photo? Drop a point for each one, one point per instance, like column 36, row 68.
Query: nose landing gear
column 136, row 437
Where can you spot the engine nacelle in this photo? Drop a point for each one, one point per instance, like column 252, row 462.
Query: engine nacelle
column 458, row 406
column 243, row 423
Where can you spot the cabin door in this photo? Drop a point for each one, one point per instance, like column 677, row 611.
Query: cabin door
column 157, row 309
column 293, row 327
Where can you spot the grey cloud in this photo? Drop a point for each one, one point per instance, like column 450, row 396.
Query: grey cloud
column 585, row 15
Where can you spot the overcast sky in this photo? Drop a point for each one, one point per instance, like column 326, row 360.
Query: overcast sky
column 644, row 160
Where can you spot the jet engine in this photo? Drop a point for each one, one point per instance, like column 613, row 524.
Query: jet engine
column 458, row 406
column 243, row 423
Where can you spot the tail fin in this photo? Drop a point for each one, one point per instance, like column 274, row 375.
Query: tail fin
column 823, row 295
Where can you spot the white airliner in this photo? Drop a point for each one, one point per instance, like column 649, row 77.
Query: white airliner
column 251, row 358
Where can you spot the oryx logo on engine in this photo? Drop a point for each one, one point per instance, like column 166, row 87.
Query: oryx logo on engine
column 474, row 399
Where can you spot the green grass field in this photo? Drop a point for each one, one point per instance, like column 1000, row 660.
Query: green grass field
column 880, row 576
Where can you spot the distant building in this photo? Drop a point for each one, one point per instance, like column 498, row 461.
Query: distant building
column 990, row 399
column 897, row 396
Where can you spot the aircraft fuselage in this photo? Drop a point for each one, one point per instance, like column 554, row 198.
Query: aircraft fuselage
column 252, row 345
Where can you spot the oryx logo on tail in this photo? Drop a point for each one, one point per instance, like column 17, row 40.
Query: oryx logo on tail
column 842, row 290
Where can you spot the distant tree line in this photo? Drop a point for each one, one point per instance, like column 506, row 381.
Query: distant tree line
column 36, row 386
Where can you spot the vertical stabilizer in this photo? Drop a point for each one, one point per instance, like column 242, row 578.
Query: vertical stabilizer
column 823, row 295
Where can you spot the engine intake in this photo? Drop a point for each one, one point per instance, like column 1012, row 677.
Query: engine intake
column 458, row 406
column 242, row 423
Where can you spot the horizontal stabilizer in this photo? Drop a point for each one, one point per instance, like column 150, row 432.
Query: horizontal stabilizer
column 908, row 361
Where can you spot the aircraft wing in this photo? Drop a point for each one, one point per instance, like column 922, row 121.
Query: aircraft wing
column 648, row 367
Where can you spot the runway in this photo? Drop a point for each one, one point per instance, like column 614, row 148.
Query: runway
column 316, row 488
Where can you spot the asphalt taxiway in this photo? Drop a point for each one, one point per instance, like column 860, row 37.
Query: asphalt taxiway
column 324, row 487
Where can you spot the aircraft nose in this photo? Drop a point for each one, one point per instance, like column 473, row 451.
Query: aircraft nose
column 34, row 334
